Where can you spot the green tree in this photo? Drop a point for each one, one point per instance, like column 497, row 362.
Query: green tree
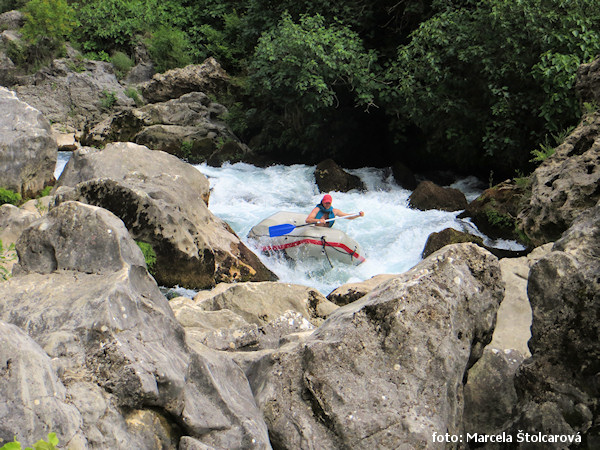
column 302, row 74
column 303, row 63
column 169, row 48
column 48, row 19
column 485, row 81
column 108, row 25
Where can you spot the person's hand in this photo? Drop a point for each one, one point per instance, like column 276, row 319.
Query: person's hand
column 361, row 214
column 321, row 221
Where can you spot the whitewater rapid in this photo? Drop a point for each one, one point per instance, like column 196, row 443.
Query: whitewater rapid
column 391, row 234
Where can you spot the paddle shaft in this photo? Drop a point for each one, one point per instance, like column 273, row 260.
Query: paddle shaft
column 285, row 228
column 329, row 220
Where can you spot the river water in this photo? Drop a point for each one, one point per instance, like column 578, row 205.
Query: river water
column 391, row 234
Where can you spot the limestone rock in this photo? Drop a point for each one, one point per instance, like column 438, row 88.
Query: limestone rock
column 350, row 292
column 564, row 185
column 75, row 92
column 28, row 152
column 412, row 338
column 331, row 177
column 54, row 243
column 33, row 399
column 490, row 395
column 250, row 317
column 13, row 221
column 162, row 202
column 429, row 195
column 587, row 85
column 189, row 127
column 208, row 77
column 11, row 20
column 404, row 176
column 115, row 344
column 448, row 236
column 558, row 386
column 495, row 211
column 261, row 303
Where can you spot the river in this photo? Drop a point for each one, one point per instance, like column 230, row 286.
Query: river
column 391, row 234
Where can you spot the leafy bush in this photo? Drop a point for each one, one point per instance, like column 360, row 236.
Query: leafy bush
column 305, row 80
column 122, row 63
column 169, row 48
column 107, row 100
column 113, row 24
column 48, row 19
column 8, row 196
column 483, row 83
column 133, row 94
column 304, row 63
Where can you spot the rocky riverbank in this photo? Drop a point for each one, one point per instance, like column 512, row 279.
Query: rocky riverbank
column 460, row 349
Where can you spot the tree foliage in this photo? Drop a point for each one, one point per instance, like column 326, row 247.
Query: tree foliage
column 107, row 25
column 467, row 84
column 304, row 62
column 48, row 19
column 486, row 83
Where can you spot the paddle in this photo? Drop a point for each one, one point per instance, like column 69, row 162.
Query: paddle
column 285, row 228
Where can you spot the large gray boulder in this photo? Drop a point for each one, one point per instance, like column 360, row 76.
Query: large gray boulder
column 385, row 371
column 261, row 303
column 28, row 152
column 82, row 293
column 162, row 201
column 74, row 92
column 34, row 400
column 490, row 395
column 11, row 20
column 587, row 85
column 350, row 292
column 250, row 316
column 190, row 127
column 330, row 177
column 208, row 77
column 13, row 221
column 558, row 386
column 564, row 185
column 429, row 195
column 495, row 211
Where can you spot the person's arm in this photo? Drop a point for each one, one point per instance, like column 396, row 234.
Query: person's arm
column 339, row 213
column 312, row 217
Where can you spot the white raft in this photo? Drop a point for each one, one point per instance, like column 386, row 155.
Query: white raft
column 307, row 241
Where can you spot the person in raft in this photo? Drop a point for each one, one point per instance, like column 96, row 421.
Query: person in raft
column 324, row 211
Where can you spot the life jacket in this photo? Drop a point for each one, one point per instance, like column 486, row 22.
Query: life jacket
column 325, row 213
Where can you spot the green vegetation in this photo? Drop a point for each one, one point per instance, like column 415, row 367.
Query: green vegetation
column 6, row 255
column 186, row 149
column 133, row 94
column 471, row 85
column 499, row 219
column 149, row 257
column 122, row 63
column 48, row 19
column 51, row 444
column 169, row 48
column 108, row 100
column 8, row 196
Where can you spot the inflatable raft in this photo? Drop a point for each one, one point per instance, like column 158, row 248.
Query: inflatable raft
column 307, row 241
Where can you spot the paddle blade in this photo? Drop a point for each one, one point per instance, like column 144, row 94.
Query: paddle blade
column 280, row 230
